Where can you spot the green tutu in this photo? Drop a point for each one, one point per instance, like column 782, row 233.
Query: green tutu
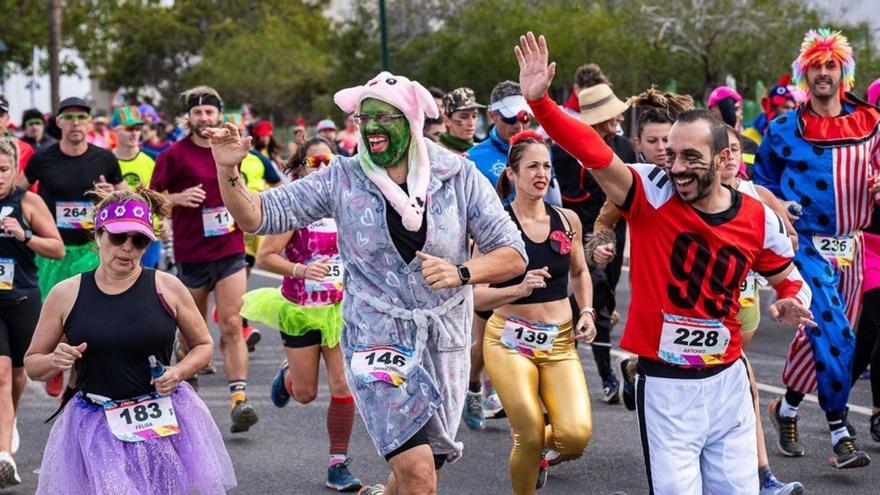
column 268, row 306
column 77, row 259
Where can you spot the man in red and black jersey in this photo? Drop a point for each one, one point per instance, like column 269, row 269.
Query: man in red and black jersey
column 693, row 243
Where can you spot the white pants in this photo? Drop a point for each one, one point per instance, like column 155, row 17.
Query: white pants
column 698, row 435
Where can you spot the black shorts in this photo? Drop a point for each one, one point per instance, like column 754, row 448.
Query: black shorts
column 310, row 338
column 17, row 324
column 196, row 275
column 420, row 438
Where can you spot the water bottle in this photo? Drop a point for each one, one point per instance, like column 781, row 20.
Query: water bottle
column 795, row 209
column 156, row 368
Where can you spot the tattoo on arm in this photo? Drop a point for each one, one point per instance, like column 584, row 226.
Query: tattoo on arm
column 233, row 181
column 236, row 184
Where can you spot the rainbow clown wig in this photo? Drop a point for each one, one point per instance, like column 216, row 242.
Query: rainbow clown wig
column 820, row 46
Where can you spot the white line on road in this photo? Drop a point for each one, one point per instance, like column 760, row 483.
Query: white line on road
column 776, row 390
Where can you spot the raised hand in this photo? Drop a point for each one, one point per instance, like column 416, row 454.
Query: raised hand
column 227, row 146
column 535, row 75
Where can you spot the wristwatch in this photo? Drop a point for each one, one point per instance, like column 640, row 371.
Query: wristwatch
column 591, row 311
column 28, row 234
column 464, row 274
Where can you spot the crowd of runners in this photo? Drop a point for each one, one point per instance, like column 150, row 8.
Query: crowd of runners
column 443, row 280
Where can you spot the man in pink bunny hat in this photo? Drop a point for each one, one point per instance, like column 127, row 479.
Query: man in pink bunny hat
column 405, row 211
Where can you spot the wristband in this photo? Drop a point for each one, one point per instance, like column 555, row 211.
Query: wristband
column 591, row 311
column 295, row 266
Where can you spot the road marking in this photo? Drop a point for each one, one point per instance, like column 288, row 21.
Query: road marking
column 264, row 273
column 776, row 390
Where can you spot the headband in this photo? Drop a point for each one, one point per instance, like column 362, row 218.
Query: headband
column 203, row 99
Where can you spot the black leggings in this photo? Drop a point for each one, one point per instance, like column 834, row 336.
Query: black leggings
column 867, row 343
column 420, row 438
column 17, row 323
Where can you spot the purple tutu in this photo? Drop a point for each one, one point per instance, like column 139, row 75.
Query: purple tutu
column 83, row 456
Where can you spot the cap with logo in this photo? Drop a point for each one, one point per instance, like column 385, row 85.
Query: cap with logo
column 460, row 99
column 326, row 124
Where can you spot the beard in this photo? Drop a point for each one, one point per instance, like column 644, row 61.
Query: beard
column 703, row 184
column 824, row 94
column 199, row 130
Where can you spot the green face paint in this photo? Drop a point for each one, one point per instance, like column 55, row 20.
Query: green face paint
column 390, row 139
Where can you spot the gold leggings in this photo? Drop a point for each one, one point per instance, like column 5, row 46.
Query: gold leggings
column 523, row 383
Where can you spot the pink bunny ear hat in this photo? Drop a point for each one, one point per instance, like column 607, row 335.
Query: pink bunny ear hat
column 415, row 102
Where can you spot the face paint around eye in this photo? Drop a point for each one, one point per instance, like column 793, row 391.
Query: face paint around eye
column 387, row 142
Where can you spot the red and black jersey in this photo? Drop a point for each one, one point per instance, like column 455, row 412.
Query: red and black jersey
column 690, row 264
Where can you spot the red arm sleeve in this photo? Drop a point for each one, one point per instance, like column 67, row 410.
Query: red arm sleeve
column 577, row 138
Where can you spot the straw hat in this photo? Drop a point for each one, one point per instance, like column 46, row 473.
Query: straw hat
column 598, row 104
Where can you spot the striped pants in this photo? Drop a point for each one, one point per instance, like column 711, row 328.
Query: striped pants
column 821, row 357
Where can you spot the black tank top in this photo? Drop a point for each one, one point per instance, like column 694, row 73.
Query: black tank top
column 122, row 331
column 540, row 255
column 24, row 282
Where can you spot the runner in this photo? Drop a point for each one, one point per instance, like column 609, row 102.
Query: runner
column 154, row 141
column 100, row 134
column 35, row 130
column 136, row 166
column 307, row 310
column 529, row 341
column 779, row 100
column 822, row 158
column 119, row 322
column 348, row 137
column 694, row 412
column 406, row 321
column 208, row 246
column 460, row 116
column 25, row 151
column 867, row 341
column 749, row 314
column 26, row 229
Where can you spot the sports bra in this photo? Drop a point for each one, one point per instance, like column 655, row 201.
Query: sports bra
column 554, row 253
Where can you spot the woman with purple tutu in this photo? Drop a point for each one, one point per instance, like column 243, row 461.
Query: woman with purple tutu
column 307, row 310
column 134, row 425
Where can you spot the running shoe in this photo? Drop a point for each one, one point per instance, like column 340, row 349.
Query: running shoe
column 492, row 407
column 473, row 411
column 251, row 337
column 243, row 417
column 773, row 486
column 8, row 471
column 628, row 386
column 847, row 455
column 372, row 490
column 543, row 472
column 610, row 390
column 849, row 427
column 788, row 442
column 16, row 440
column 278, row 392
column 340, row 478
column 54, row 385
column 875, row 427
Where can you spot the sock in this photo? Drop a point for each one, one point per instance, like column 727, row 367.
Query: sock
column 787, row 410
column 336, row 459
column 765, row 475
column 475, row 387
column 340, row 422
column 838, row 433
column 793, row 398
column 238, row 390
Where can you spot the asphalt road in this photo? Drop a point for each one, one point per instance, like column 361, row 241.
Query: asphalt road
column 286, row 452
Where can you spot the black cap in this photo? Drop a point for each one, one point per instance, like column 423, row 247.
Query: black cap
column 74, row 102
column 4, row 105
column 31, row 114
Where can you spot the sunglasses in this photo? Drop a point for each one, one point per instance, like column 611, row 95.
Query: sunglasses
column 135, row 128
column 75, row 117
column 33, row 122
column 139, row 241
column 383, row 117
column 318, row 160
column 522, row 117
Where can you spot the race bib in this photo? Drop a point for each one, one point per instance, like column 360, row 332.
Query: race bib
column 74, row 215
column 389, row 364
column 333, row 280
column 748, row 290
column 143, row 418
column 530, row 339
column 217, row 221
column 7, row 273
column 687, row 341
column 840, row 248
